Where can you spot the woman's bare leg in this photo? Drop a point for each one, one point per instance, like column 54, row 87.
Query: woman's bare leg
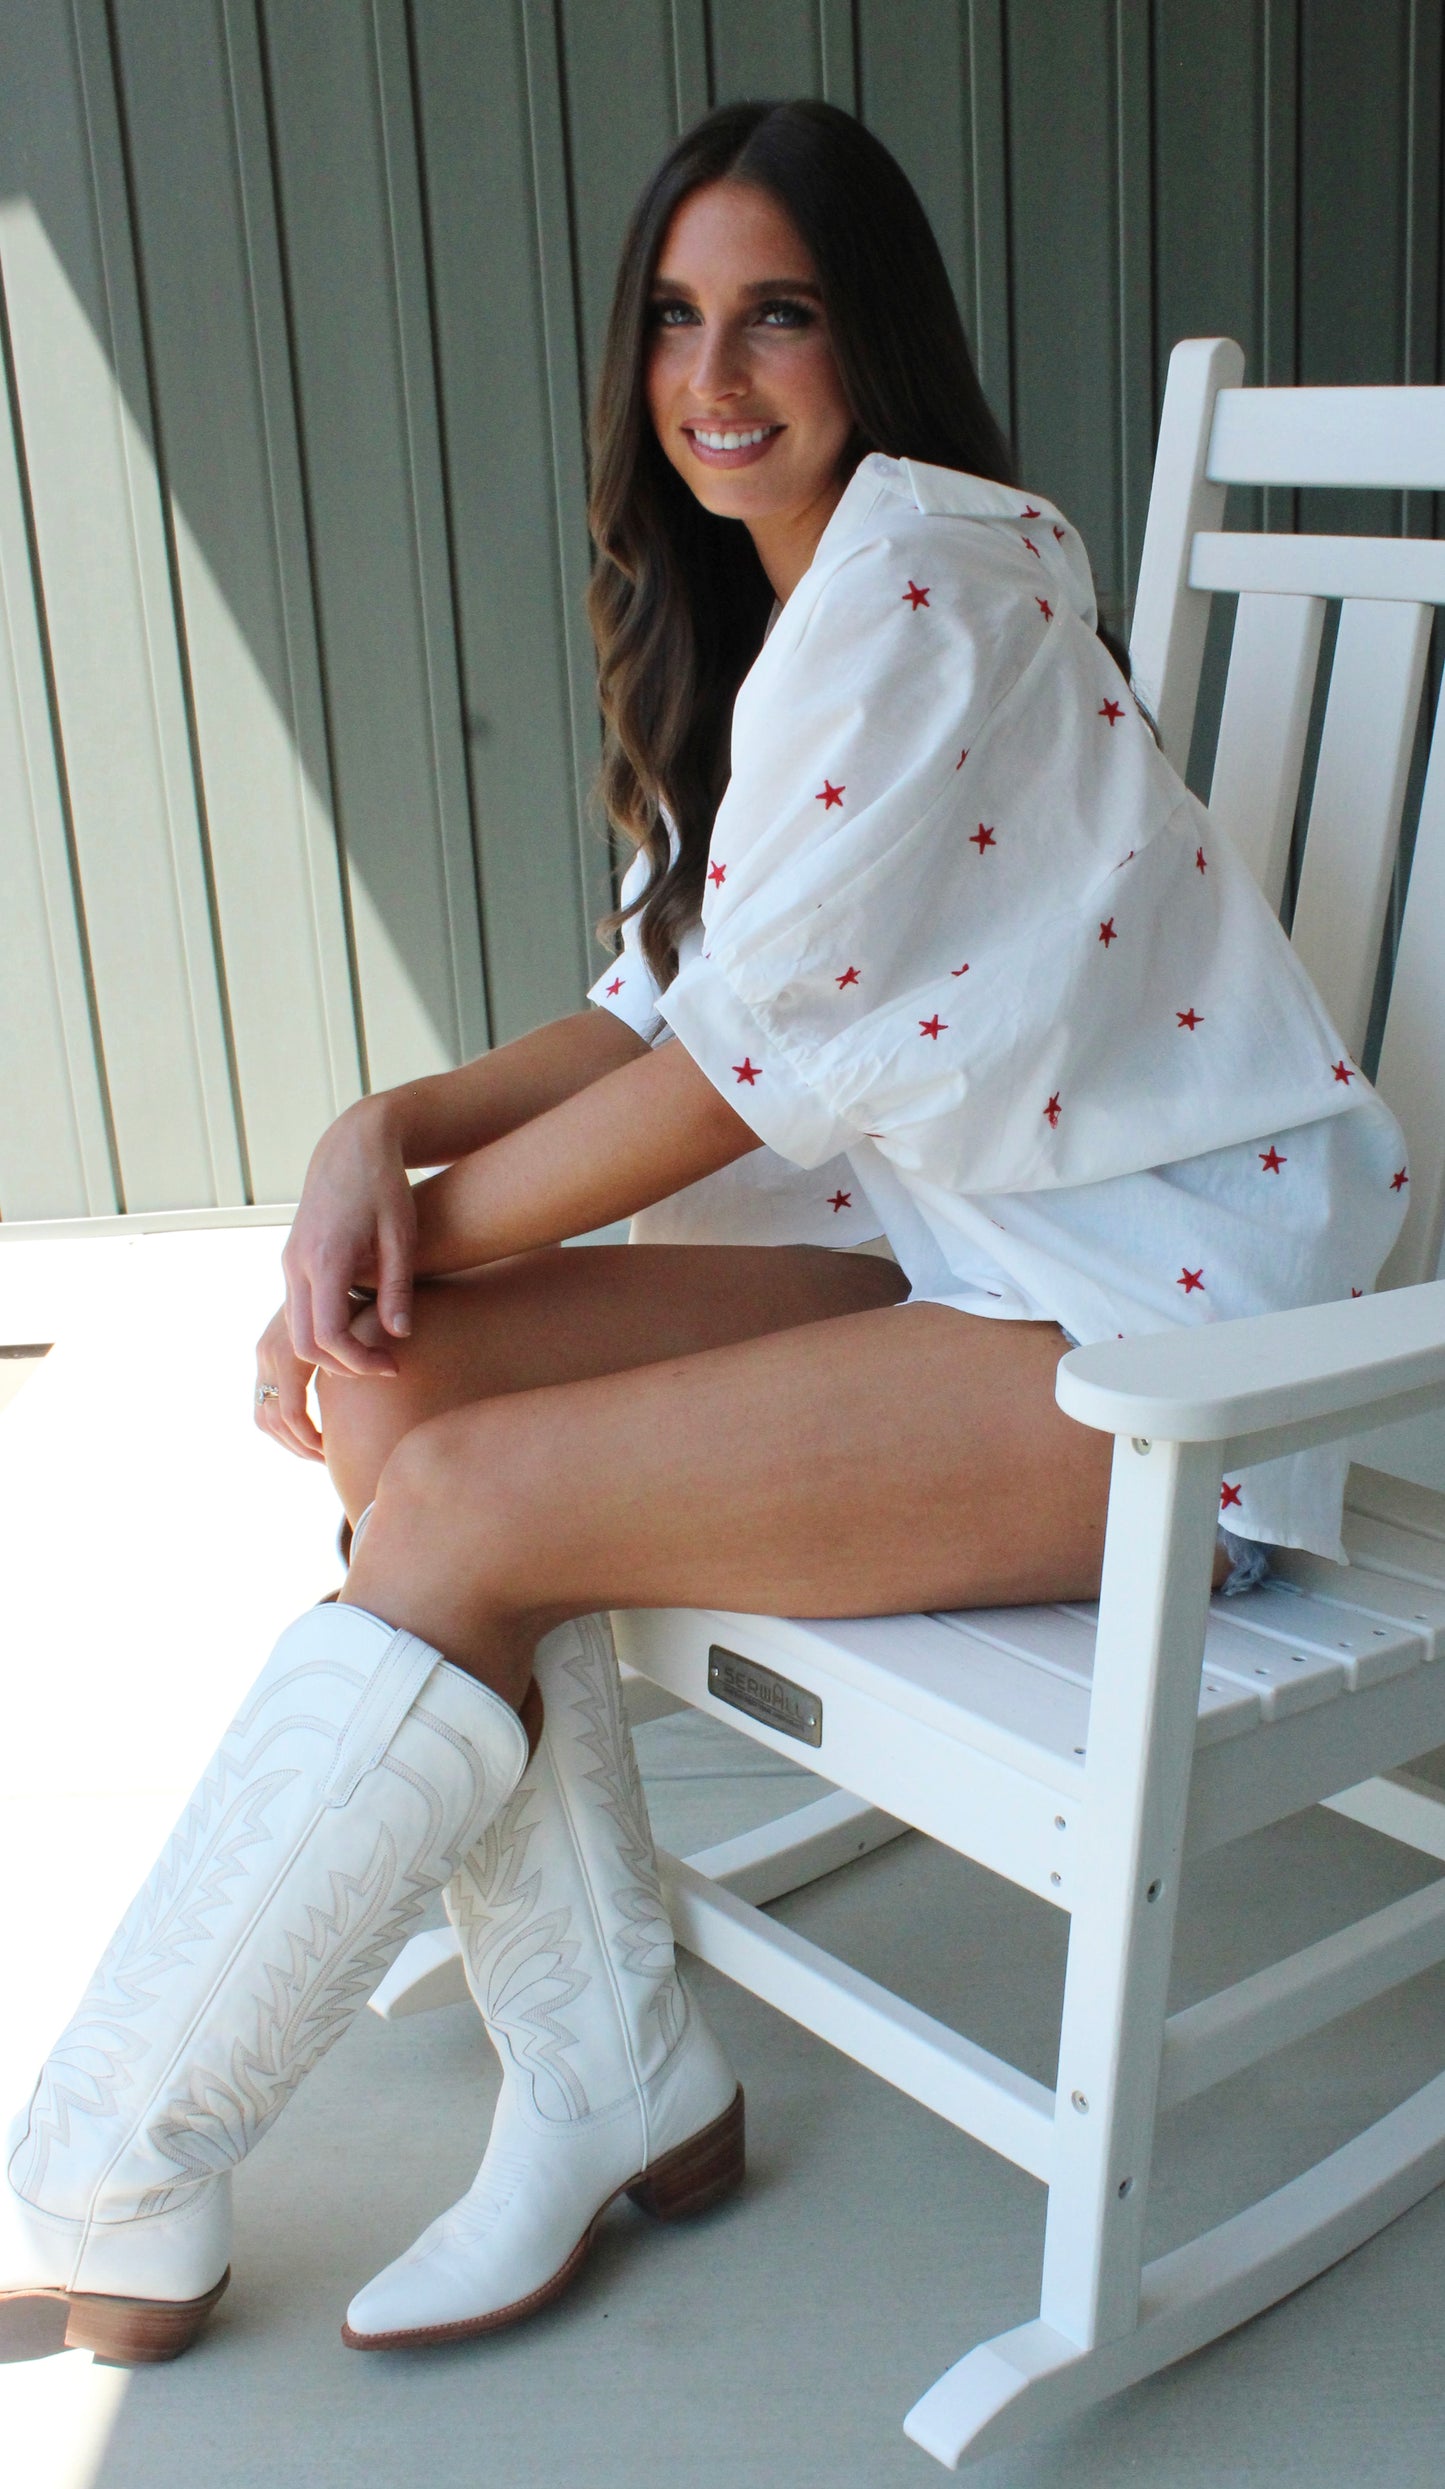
column 876, row 1462
column 575, row 1313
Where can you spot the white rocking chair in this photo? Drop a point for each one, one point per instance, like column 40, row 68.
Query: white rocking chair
column 1087, row 1754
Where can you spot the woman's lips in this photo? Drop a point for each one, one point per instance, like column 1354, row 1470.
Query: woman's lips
column 705, row 437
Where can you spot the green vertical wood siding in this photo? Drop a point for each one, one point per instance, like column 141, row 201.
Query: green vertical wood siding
column 300, row 305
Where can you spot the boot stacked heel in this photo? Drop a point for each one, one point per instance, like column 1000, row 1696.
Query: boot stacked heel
column 700, row 2173
column 137, row 2332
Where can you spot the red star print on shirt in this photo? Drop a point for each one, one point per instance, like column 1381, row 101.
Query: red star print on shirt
column 1053, row 1111
column 1271, row 1160
column 914, row 596
column 1229, row 1495
column 1058, row 531
column 828, row 795
column 616, row 986
column 1190, row 1018
column 1342, row 1072
column 1399, row 1180
column 1045, row 608
column 959, row 972
column 840, row 1201
column 747, row 1070
column 963, row 755
column 981, row 838
column 1189, row 1280
column 1030, row 513
column 1032, row 548
column 1107, row 933
column 717, row 874
column 1113, row 710
column 848, row 977
column 932, row 1028
column 1200, row 865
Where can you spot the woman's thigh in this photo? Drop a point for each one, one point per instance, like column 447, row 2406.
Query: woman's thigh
column 912, row 1457
column 575, row 1313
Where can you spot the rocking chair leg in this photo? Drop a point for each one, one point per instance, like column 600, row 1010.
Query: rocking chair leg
column 1034, row 2378
column 1152, row 1618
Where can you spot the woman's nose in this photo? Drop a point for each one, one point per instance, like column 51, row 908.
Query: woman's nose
column 720, row 367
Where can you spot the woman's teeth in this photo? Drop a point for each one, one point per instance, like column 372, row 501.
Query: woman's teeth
column 733, row 440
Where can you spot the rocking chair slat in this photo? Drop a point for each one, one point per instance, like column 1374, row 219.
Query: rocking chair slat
column 1359, row 791
column 1372, row 1597
column 1369, row 1650
column 1273, row 658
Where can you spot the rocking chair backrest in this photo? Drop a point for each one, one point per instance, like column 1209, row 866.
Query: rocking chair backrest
column 1214, row 433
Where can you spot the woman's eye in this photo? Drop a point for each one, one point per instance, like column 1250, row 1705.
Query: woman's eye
column 672, row 314
column 787, row 314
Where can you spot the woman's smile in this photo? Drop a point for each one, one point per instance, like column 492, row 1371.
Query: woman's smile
column 732, row 445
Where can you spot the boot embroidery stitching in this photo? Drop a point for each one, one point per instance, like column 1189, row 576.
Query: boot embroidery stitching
column 332, row 1959
column 510, row 1954
column 171, row 1914
column 644, row 1940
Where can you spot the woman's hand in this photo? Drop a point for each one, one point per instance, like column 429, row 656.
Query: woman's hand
column 355, row 1229
column 283, row 1415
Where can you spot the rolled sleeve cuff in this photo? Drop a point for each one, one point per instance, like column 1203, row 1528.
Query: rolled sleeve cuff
column 629, row 994
column 747, row 1068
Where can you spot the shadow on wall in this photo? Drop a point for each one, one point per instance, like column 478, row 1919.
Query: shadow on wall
column 297, row 725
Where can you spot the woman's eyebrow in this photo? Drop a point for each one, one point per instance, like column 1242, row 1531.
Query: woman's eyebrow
column 766, row 285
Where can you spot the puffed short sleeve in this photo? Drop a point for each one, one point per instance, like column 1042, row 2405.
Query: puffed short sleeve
column 627, row 986
column 959, row 903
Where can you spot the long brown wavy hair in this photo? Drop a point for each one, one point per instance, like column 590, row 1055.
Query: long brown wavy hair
column 679, row 599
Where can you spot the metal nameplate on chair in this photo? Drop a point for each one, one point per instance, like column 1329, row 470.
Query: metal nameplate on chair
column 764, row 1695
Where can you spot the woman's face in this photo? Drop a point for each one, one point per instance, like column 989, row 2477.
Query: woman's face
column 742, row 387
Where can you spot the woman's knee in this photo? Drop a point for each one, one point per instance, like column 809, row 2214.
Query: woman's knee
column 363, row 1419
column 470, row 1487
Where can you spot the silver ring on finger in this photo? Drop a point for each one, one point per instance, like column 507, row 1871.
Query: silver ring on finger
column 265, row 1392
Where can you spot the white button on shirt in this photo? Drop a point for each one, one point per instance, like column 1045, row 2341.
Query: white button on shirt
column 984, row 976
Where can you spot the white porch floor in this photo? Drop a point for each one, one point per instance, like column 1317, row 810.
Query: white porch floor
column 773, row 2346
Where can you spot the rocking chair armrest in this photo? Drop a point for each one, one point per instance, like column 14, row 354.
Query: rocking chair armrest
column 1270, row 1383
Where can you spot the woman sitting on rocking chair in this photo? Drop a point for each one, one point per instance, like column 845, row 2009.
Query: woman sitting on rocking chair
column 934, row 984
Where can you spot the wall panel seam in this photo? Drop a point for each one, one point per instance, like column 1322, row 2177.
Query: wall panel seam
column 340, row 1008
column 178, row 621
column 205, row 994
column 461, row 920
column 562, row 328
column 308, row 524
column 444, row 460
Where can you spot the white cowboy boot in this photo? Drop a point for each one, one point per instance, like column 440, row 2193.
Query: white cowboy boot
column 612, row 2082
column 360, row 1768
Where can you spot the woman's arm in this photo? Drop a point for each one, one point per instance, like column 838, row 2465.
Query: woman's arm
column 356, row 1221
column 641, row 1132
column 452, row 1113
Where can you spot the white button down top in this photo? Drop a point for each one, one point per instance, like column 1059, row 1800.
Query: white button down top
column 984, row 976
